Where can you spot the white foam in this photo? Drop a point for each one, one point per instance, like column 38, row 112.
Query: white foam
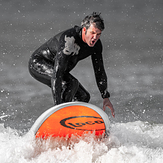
column 128, row 143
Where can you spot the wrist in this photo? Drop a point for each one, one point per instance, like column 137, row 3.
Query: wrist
column 106, row 94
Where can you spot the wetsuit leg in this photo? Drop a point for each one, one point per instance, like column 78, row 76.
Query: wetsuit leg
column 41, row 69
column 71, row 87
column 74, row 90
column 82, row 94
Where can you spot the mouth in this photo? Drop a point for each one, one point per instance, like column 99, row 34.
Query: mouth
column 93, row 42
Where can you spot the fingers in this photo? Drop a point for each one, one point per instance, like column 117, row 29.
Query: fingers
column 111, row 108
column 104, row 107
column 112, row 112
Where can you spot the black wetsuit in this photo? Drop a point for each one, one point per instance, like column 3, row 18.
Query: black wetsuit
column 52, row 62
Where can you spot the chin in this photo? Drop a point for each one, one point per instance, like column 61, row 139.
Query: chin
column 91, row 45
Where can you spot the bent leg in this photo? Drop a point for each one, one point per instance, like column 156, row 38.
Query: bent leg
column 82, row 94
column 74, row 90
column 41, row 70
column 70, row 88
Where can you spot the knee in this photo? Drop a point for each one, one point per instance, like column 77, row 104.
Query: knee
column 86, row 97
column 69, row 90
column 75, row 83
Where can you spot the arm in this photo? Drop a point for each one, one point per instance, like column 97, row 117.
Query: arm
column 60, row 67
column 101, row 78
column 67, row 48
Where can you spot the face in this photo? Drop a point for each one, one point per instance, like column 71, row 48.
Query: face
column 91, row 35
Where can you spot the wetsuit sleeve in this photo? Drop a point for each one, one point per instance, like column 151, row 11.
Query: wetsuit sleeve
column 64, row 53
column 59, row 70
column 100, row 74
column 60, row 65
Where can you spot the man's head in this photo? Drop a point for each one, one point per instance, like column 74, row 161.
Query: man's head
column 92, row 27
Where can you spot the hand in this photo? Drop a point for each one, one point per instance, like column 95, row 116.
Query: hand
column 107, row 103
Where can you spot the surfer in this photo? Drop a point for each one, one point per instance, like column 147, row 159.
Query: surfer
column 52, row 62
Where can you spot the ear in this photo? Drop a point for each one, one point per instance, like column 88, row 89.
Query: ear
column 84, row 29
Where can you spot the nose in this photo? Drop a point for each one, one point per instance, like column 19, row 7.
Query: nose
column 95, row 36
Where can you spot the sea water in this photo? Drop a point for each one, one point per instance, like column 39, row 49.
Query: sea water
column 128, row 142
column 133, row 58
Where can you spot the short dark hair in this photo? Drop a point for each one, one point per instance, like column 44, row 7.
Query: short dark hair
column 95, row 19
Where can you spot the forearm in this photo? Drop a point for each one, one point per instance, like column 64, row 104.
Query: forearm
column 101, row 80
column 56, row 86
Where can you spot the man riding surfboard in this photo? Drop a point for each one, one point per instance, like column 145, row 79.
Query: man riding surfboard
column 53, row 61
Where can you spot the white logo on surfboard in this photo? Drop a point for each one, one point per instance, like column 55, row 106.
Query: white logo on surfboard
column 70, row 46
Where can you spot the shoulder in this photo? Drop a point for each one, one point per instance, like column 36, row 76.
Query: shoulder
column 68, row 35
column 72, row 32
column 68, row 41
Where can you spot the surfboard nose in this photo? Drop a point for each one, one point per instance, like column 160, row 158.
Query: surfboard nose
column 72, row 118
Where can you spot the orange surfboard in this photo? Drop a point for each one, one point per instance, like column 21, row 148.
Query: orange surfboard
column 72, row 118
